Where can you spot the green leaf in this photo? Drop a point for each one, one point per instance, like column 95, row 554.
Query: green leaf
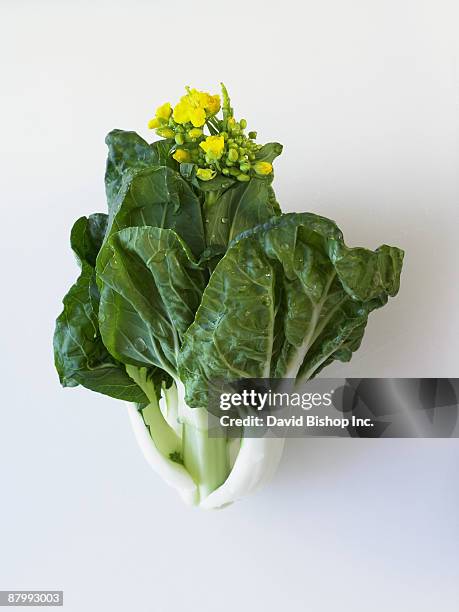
column 80, row 356
column 87, row 236
column 159, row 197
column 152, row 288
column 127, row 154
column 269, row 152
column 219, row 183
column 288, row 298
column 239, row 208
column 188, row 171
column 272, row 201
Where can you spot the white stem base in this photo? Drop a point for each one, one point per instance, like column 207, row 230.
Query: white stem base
column 256, row 461
column 174, row 474
column 255, row 464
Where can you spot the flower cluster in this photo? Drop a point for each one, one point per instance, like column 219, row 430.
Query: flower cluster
column 226, row 149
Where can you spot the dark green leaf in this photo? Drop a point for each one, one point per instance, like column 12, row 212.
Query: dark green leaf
column 273, row 203
column 159, row 197
column 80, row 356
column 87, row 236
column 287, row 299
column 127, row 154
column 220, row 182
column 151, row 290
column 188, row 171
column 269, row 152
column 239, row 208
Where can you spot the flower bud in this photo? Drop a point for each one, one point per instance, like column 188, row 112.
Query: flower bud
column 179, row 139
column 244, row 167
column 263, row 168
column 165, row 132
column 181, row 156
column 164, row 111
column 195, row 133
column 205, row 174
column 232, row 155
column 252, row 135
column 243, row 178
column 243, row 123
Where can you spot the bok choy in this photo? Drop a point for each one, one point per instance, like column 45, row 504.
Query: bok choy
column 196, row 275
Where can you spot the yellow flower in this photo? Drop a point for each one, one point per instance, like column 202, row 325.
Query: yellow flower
column 181, row 156
column 213, row 104
column 197, row 98
column 195, row 106
column 181, row 112
column 195, row 133
column 153, row 123
column 205, row 100
column 162, row 115
column 263, row 168
column 164, row 111
column 213, row 146
column 205, row 174
column 197, row 117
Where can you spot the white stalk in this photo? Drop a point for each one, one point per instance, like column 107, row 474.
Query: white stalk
column 169, row 406
column 174, row 474
column 255, row 464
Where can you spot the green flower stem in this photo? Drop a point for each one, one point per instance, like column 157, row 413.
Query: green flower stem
column 226, row 106
column 215, row 123
column 212, row 128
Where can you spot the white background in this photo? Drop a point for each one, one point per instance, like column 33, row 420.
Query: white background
column 364, row 96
